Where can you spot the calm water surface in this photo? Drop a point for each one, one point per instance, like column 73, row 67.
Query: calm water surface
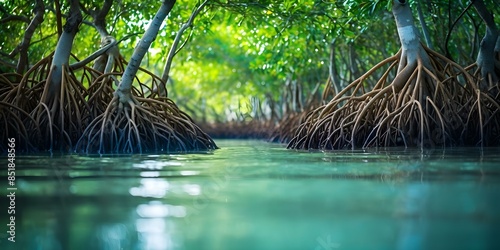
column 256, row 195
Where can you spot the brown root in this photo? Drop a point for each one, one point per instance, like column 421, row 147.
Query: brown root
column 146, row 123
column 53, row 122
column 62, row 117
column 13, row 120
column 143, row 125
column 287, row 127
column 425, row 106
column 44, row 116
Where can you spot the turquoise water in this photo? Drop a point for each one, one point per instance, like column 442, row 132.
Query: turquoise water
column 257, row 195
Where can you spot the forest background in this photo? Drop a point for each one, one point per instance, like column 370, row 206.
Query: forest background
column 244, row 61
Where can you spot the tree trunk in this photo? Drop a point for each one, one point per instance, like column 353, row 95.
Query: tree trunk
column 486, row 56
column 332, row 70
column 100, row 18
column 103, row 64
column 124, row 89
column 63, row 50
column 23, row 62
column 412, row 50
column 425, row 29
column 173, row 50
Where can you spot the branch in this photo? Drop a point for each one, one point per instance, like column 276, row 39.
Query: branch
column 58, row 17
column 14, row 18
column 7, row 64
column 173, row 50
column 100, row 17
column 447, row 40
column 425, row 29
column 484, row 13
column 332, row 69
column 93, row 56
column 486, row 56
column 22, row 48
column 86, row 22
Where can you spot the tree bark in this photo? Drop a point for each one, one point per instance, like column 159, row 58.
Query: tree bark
column 412, row 50
column 486, row 56
column 100, row 18
column 332, row 69
column 63, row 49
column 173, row 49
column 104, row 63
column 425, row 29
column 124, row 89
column 23, row 64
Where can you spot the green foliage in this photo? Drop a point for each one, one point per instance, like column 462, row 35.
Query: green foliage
column 242, row 49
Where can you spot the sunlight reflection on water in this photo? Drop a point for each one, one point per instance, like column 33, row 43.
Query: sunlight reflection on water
column 154, row 233
column 192, row 189
column 255, row 195
column 156, row 209
column 156, row 188
column 154, row 164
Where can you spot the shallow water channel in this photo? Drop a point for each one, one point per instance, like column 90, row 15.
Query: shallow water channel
column 257, row 195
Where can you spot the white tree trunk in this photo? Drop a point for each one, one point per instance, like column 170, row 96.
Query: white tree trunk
column 63, row 49
column 124, row 89
column 412, row 51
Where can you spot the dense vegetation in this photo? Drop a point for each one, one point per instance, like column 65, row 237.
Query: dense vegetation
column 249, row 68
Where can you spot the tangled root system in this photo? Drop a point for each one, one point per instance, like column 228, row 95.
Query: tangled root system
column 287, row 127
column 82, row 113
column 427, row 105
column 143, row 125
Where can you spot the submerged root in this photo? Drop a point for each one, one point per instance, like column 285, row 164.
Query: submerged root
column 143, row 125
column 427, row 105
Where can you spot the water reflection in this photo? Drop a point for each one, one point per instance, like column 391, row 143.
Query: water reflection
column 192, row 189
column 156, row 164
column 154, row 234
column 150, row 174
column 156, row 209
column 253, row 195
column 151, row 187
column 411, row 209
column 113, row 236
column 189, row 172
column 154, row 228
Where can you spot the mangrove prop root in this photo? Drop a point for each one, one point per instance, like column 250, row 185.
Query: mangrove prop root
column 287, row 127
column 82, row 113
column 428, row 107
column 143, row 125
column 62, row 117
column 13, row 120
